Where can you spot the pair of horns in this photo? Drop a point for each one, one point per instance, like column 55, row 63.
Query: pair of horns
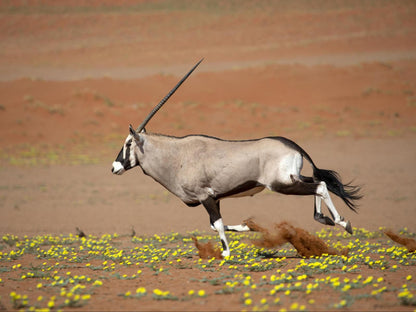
column 163, row 101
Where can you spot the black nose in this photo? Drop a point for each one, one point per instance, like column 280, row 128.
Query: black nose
column 112, row 169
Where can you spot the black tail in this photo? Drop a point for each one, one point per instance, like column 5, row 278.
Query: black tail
column 347, row 192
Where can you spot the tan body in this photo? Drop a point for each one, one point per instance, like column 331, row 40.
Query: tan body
column 195, row 167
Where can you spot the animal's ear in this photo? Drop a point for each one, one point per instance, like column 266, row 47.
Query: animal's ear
column 135, row 135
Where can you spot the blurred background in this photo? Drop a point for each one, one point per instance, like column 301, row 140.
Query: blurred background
column 339, row 77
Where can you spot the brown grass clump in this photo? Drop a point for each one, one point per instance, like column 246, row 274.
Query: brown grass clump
column 306, row 244
column 409, row 243
column 207, row 251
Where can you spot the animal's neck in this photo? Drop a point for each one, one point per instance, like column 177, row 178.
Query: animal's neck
column 160, row 158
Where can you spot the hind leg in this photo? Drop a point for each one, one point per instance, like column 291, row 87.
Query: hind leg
column 233, row 228
column 319, row 189
column 229, row 228
column 322, row 192
column 237, row 228
column 317, row 214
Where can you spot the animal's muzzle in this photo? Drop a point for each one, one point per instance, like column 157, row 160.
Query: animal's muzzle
column 117, row 168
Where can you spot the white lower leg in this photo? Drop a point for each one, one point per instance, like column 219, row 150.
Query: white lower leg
column 323, row 192
column 237, row 228
column 318, row 202
column 234, row 228
column 219, row 227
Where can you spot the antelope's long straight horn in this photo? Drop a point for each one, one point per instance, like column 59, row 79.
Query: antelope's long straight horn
column 163, row 101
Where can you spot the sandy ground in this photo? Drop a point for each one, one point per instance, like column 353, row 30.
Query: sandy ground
column 337, row 77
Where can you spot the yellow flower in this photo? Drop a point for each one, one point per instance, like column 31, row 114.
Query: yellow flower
column 368, row 280
column 201, row 293
column 157, row 292
column 141, row 290
column 302, row 277
column 248, row 301
column 342, row 303
column 294, row 306
column 86, row 297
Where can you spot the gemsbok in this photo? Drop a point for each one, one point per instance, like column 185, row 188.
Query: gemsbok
column 200, row 169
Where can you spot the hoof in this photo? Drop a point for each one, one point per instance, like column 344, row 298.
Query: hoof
column 348, row 227
column 323, row 219
column 225, row 253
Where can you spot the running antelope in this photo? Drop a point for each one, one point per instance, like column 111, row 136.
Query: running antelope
column 200, row 169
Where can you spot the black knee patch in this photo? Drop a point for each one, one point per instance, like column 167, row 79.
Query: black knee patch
column 321, row 218
column 212, row 208
column 224, row 246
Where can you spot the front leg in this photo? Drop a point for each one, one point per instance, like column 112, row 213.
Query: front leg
column 213, row 208
column 317, row 214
